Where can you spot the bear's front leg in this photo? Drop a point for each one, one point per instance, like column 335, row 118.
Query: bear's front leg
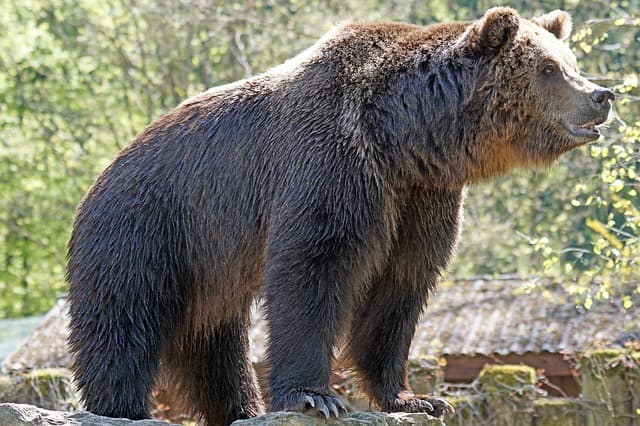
column 315, row 263
column 384, row 322
column 382, row 329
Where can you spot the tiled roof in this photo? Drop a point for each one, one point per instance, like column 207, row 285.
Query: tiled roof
column 487, row 317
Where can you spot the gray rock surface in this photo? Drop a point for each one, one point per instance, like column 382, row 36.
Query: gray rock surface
column 22, row 415
column 353, row 419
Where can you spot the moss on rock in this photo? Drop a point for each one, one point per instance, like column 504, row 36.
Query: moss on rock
column 471, row 410
column 509, row 390
column 48, row 388
column 557, row 411
column 494, row 379
column 49, row 382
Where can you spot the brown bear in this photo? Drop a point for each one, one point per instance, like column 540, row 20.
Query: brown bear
column 331, row 187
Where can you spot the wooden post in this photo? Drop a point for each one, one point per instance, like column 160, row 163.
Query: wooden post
column 425, row 374
column 557, row 411
column 470, row 411
column 610, row 380
column 510, row 390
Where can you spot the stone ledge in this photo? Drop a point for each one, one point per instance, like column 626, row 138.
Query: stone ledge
column 353, row 419
column 23, row 415
column 30, row 415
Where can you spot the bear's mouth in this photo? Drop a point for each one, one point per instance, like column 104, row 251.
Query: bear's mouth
column 587, row 130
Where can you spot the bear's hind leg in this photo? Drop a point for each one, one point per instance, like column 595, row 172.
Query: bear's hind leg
column 116, row 357
column 216, row 377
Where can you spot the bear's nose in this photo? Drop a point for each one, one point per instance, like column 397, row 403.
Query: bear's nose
column 601, row 96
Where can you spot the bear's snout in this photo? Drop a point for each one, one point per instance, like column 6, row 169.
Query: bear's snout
column 601, row 98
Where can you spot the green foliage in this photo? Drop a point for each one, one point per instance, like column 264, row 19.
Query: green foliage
column 79, row 78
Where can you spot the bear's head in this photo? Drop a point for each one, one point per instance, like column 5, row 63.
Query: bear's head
column 531, row 102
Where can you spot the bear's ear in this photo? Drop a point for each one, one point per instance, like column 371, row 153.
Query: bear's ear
column 498, row 27
column 557, row 22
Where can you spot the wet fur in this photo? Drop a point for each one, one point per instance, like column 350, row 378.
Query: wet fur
column 331, row 186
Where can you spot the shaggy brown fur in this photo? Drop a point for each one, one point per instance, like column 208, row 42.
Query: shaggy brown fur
column 332, row 186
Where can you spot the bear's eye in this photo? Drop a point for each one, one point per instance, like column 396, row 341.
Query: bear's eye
column 549, row 69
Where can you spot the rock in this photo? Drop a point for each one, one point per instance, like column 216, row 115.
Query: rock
column 471, row 410
column 22, row 414
column 497, row 379
column 49, row 388
column 558, row 411
column 353, row 419
column 46, row 346
column 510, row 391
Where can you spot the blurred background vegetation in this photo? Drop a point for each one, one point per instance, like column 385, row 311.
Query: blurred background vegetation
column 78, row 78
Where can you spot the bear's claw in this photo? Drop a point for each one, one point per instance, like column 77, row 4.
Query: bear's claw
column 425, row 404
column 421, row 404
column 326, row 405
column 310, row 401
column 314, row 403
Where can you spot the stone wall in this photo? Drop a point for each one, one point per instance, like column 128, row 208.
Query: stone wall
column 508, row 395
